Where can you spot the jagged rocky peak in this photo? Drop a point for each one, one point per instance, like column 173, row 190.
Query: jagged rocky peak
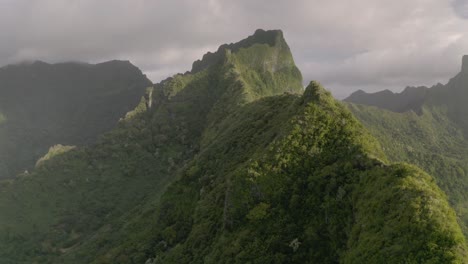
column 315, row 92
column 269, row 37
column 262, row 64
column 273, row 38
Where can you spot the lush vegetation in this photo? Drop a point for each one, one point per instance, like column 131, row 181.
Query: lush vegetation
column 42, row 105
column 429, row 133
column 315, row 193
column 230, row 163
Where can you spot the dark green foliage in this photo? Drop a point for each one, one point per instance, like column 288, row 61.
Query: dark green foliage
column 229, row 163
column 403, row 217
column 42, row 105
column 433, row 136
column 312, row 195
column 431, row 141
column 107, row 187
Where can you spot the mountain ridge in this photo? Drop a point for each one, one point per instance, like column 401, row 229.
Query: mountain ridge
column 46, row 104
column 411, row 98
column 233, row 163
column 260, row 36
column 433, row 137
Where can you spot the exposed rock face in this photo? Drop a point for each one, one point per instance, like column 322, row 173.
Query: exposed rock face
column 270, row 37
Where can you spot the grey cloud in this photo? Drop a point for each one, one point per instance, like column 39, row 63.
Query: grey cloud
column 461, row 8
column 347, row 45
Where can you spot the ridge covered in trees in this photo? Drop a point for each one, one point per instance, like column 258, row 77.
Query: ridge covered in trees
column 430, row 133
column 233, row 162
column 43, row 104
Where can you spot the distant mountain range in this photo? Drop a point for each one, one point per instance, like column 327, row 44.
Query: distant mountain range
column 234, row 162
column 42, row 105
column 452, row 95
column 427, row 127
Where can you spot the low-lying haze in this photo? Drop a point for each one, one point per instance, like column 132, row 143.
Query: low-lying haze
column 347, row 45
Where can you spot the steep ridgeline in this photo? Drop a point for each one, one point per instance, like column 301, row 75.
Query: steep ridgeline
column 42, row 105
column 296, row 179
column 431, row 133
column 232, row 162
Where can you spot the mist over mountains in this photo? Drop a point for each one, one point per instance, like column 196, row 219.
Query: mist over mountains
column 413, row 98
column 45, row 104
column 233, row 161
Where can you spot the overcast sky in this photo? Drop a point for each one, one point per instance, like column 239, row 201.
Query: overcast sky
column 345, row 44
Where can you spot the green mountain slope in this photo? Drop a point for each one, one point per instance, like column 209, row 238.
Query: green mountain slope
column 316, row 193
column 42, row 105
column 232, row 162
column 430, row 134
